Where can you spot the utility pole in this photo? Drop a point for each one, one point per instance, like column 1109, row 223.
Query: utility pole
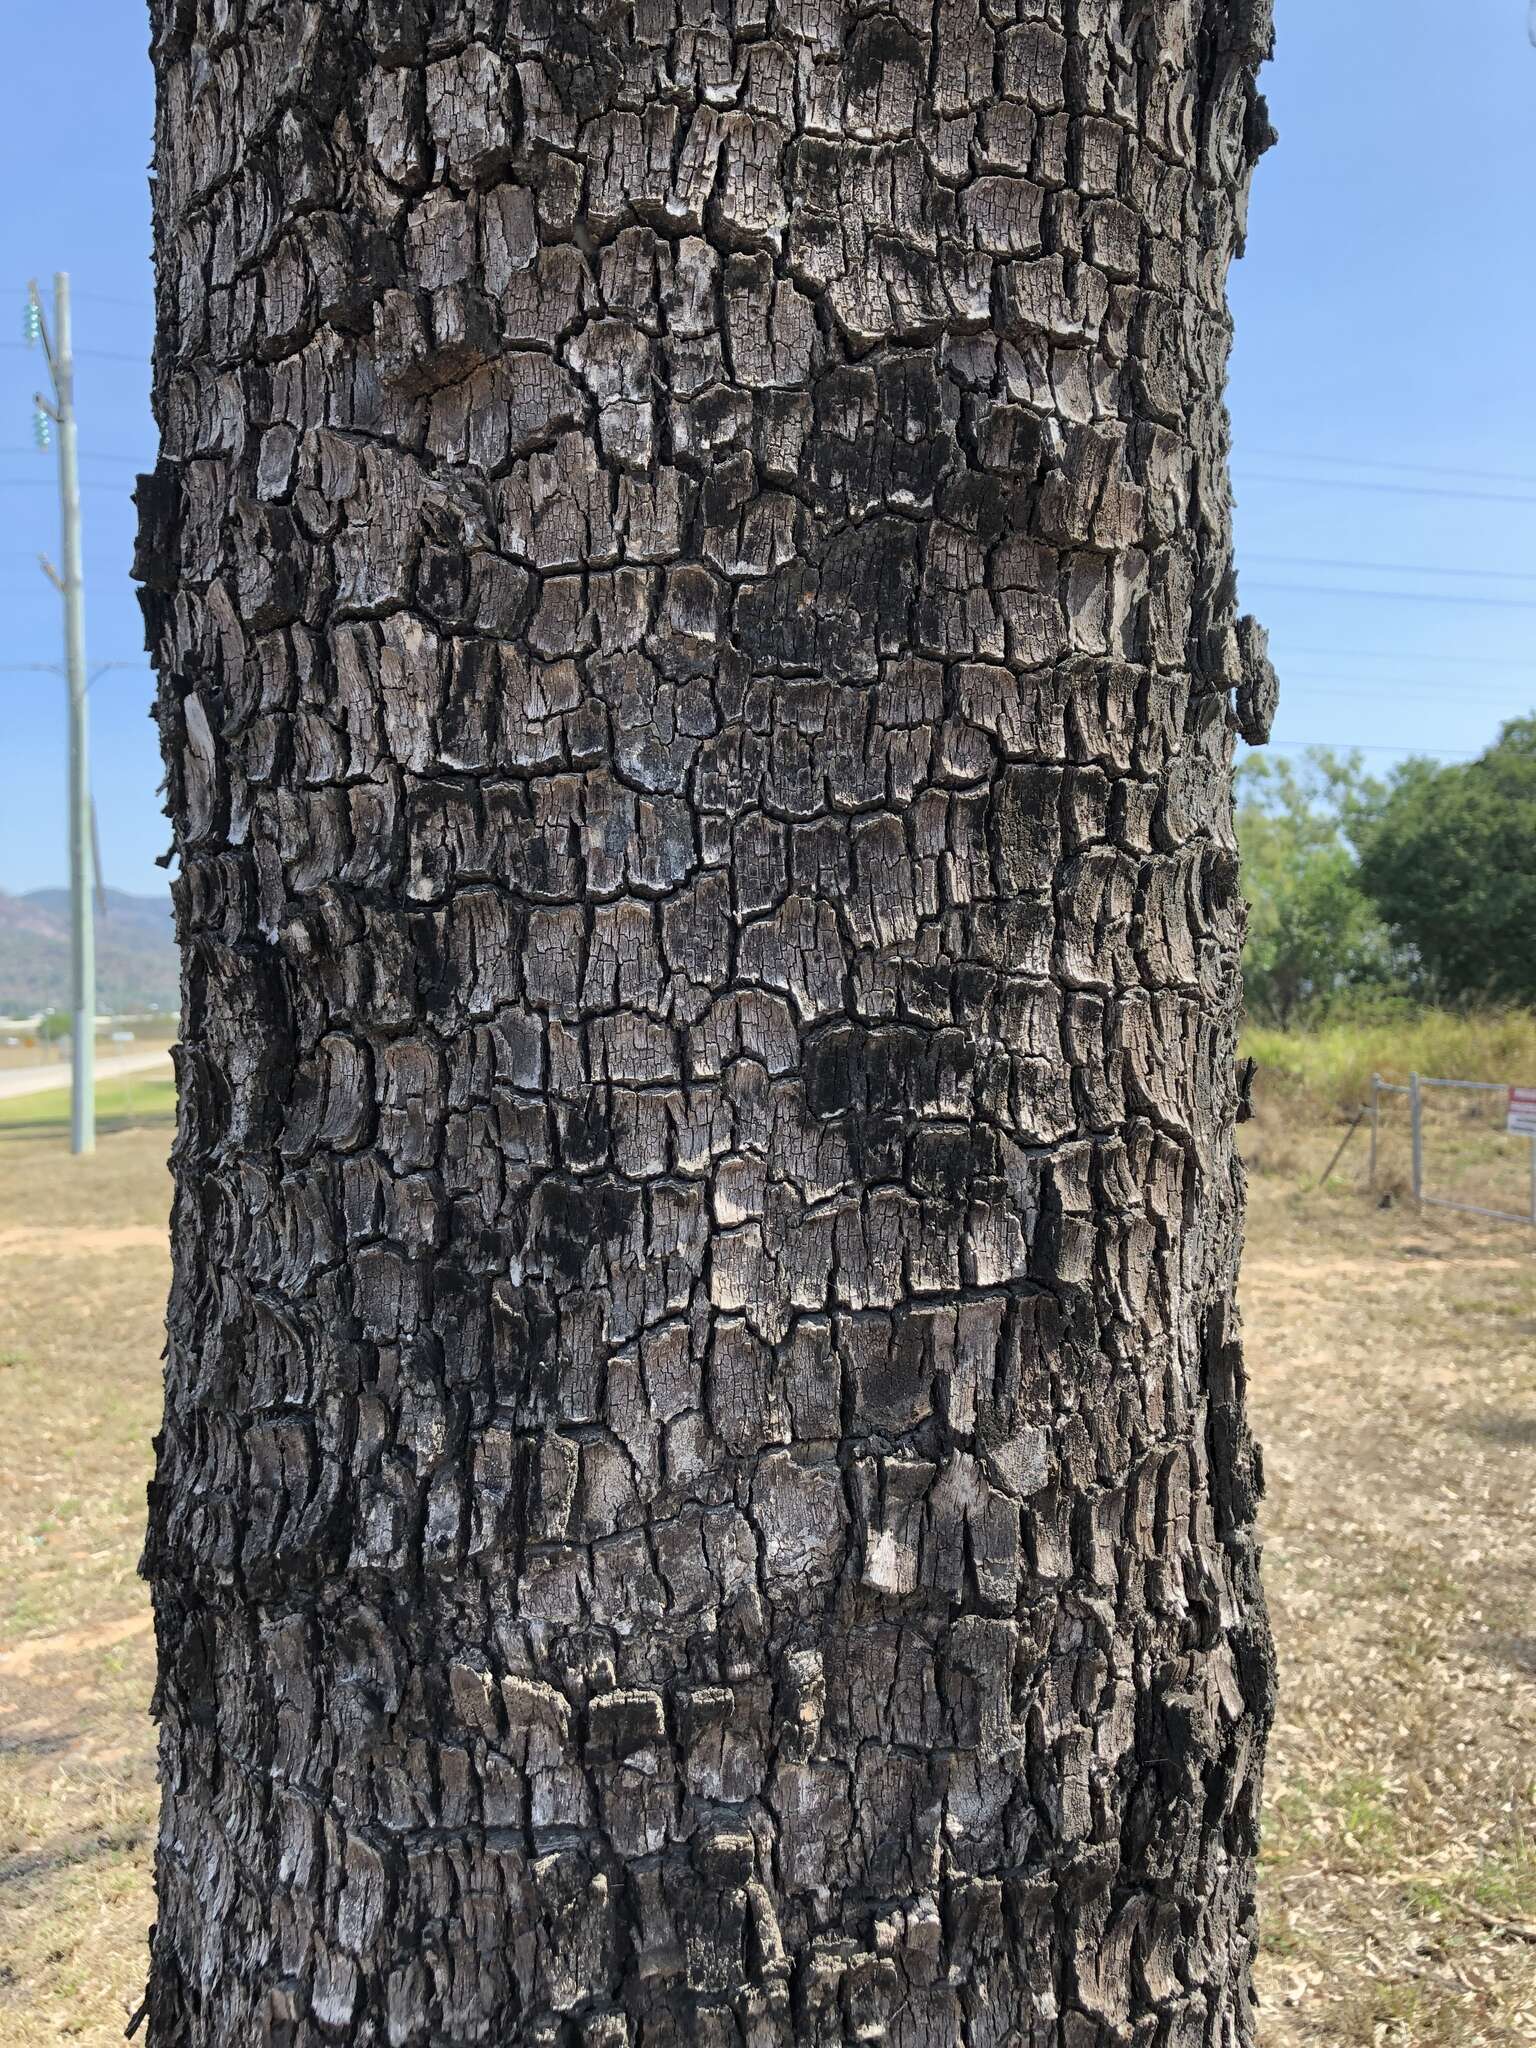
column 59, row 350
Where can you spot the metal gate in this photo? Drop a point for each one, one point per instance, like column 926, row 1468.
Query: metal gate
column 1419, row 1097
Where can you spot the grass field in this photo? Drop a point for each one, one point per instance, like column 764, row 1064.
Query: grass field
column 83, row 1272
column 126, row 1104
column 1393, row 1361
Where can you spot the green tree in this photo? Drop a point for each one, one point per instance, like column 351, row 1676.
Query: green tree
column 1313, row 934
column 1448, row 858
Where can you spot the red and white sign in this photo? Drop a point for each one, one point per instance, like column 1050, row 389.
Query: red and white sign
column 1522, row 1112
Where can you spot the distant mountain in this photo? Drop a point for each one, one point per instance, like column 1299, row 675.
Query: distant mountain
column 135, row 953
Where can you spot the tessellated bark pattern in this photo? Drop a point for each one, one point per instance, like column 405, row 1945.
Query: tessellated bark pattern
column 704, row 1496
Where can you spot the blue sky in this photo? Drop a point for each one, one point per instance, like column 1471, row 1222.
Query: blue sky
column 1381, row 393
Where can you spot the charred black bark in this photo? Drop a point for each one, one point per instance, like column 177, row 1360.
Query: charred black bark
column 704, row 1495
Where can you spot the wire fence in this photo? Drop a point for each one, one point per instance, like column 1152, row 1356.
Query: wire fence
column 1471, row 1144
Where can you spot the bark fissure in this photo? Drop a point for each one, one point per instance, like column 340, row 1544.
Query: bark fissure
column 704, row 1494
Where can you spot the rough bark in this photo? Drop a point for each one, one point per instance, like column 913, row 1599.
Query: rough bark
column 704, row 1494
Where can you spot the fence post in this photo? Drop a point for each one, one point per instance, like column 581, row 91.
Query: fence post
column 1416, row 1109
column 1376, row 1125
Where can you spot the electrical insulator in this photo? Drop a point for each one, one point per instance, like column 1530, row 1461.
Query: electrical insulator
column 32, row 324
column 42, row 429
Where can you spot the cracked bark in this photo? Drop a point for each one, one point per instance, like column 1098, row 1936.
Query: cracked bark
column 704, row 1494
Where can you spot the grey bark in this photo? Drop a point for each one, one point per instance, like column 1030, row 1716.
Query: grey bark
column 704, row 1494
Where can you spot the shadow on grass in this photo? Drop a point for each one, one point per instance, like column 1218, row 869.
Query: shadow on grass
column 1516, row 1431
column 60, row 1744
column 1518, row 1652
column 106, row 1126
column 69, row 1852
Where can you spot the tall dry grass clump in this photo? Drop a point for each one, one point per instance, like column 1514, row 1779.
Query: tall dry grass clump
column 1333, row 1063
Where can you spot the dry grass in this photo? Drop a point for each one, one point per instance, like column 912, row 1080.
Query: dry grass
column 1331, row 1068
column 124, row 1104
column 1395, row 1390
column 83, row 1272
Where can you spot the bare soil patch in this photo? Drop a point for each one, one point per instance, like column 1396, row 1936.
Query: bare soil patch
column 57, row 1243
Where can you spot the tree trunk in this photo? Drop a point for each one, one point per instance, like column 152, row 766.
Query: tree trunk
column 704, row 1494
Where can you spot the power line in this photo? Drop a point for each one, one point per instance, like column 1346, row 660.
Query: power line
column 1512, row 604
column 96, row 455
column 1341, row 483
column 1372, row 747
column 1346, row 693
column 1408, row 686
column 1504, row 476
column 1387, row 654
column 17, row 668
column 95, row 355
column 120, row 488
column 1389, row 568
column 1419, row 689
column 1367, row 683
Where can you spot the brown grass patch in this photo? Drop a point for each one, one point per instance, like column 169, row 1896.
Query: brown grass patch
column 80, row 1337
column 1394, row 1389
column 1393, row 1385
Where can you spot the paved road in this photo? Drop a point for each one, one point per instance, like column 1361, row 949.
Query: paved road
column 44, row 1080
